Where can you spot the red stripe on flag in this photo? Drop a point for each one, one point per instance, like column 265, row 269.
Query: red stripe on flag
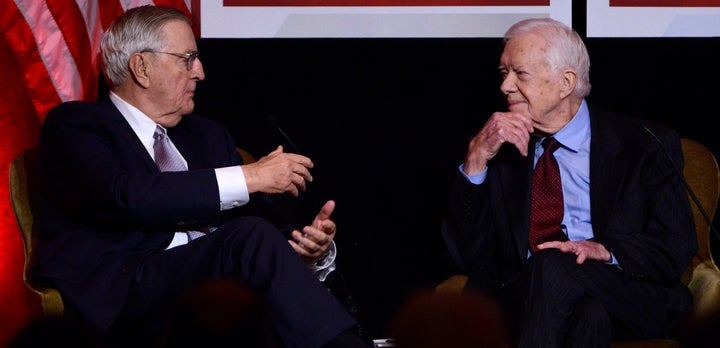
column 195, row 9
column 20, row 38
column 108, row 11
column 182, row 6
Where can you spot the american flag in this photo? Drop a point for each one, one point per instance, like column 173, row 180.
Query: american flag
column 49, row 53
column 57, row 44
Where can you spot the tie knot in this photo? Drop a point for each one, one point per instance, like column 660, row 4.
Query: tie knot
column 167, row 157
column 550, row 144
column 159, row 132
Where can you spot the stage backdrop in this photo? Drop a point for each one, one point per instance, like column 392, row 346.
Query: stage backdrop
column 371, row 18
column 357, row 63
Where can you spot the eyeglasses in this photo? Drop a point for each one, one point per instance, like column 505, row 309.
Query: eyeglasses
column 189, row 56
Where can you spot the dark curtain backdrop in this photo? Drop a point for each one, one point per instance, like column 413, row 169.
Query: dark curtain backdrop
column 386, row 122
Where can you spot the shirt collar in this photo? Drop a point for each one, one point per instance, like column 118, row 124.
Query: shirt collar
column 141, row 124
column 577, row 131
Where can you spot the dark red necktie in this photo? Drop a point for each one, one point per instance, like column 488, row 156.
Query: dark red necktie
column 546, row 209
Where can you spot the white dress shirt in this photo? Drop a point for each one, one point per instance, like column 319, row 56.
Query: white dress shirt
column 231, row 180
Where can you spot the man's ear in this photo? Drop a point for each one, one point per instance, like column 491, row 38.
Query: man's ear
column 568, row 80
column 140, row 68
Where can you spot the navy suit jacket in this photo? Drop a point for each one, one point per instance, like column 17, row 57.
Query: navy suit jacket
column 639, row 209
column 107, row 205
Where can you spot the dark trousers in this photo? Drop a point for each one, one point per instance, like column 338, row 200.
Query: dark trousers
column 302, row 311
column 557, row 303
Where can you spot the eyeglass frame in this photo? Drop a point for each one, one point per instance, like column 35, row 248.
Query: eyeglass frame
column 189, row 57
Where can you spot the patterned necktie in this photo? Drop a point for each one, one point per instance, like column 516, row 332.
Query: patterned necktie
column 546, row 209
column 169, row 160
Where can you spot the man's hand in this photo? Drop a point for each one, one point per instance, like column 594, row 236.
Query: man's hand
column 501, row 127
column 278, row 172
column 583, row 249
column 313, row 242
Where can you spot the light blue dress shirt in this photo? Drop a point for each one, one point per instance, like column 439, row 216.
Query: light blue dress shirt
column 573, row 158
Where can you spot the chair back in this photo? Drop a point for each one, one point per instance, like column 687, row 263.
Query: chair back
column 25, row 198
column 702, row 277
column 702, row 174
column 246, row 155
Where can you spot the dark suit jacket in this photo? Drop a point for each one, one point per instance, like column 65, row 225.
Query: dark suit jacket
column 639, row 209
column 108, row 205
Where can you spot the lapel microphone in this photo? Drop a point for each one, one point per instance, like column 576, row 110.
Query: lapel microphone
column 273, row 122
column 685, row 183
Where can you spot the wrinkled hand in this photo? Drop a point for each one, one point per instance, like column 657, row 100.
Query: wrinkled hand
column 278, row 172
column 313, row 242
column 501, row 127
column 583, row 249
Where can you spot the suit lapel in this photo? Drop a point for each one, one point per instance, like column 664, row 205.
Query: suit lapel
column 515, row 177
column 125, row 133
column 608, row 167
column 184, row 138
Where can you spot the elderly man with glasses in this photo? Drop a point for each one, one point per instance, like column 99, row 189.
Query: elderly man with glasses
column 146, row 200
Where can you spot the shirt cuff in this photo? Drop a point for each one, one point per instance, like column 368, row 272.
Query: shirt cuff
column 476, row 179
column 323, row 267
column 232, row 187
column 613, row 260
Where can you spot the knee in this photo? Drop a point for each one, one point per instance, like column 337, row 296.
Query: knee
column 551, row 267
column 253, row 230
column 588, row 310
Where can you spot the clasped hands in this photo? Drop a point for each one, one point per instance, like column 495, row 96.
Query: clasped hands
column 283, row 172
